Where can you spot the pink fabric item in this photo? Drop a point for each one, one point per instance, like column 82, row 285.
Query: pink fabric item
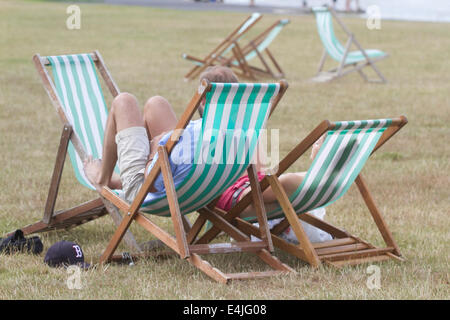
column 225, row 201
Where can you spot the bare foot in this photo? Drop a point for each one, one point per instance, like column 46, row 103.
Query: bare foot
column 92, row 168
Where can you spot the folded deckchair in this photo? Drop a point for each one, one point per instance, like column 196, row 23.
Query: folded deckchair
column 338, row 164
column 349, row 61
column 234, row 115
column 257, row 47
column 76, row 94
column 216, row 56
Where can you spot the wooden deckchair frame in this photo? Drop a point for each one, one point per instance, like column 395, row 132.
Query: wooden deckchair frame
column 343, row 69
column 249, row 71
column 215, row 56
column 345, row 248
column 90, row 210
column 181, row 243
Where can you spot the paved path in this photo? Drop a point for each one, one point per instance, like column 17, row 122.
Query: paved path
column 208, row 6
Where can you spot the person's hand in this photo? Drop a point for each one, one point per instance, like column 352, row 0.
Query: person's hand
column 316, row 146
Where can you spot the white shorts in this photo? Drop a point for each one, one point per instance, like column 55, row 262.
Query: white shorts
column 133, row 149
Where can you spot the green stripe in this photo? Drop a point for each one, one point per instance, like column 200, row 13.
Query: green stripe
column 84, row 114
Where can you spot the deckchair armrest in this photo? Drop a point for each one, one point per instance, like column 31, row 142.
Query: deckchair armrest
column 186, row 117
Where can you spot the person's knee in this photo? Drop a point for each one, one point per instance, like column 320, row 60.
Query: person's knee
column 157, row 104
column 124, row 101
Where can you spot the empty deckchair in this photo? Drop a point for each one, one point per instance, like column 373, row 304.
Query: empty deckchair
column 338, row 164
column 349, row 61
column 258, row 47
column 216, row 56
column 76, row 94
column 234, row 115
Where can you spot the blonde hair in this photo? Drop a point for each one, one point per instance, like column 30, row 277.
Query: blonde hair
column 219, row 74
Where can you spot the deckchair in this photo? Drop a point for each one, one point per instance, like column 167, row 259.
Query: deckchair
column 234, row 115
column 257, row 47
column 338, row 164
column 349, row 61
column 216, row 56
column 77, row 96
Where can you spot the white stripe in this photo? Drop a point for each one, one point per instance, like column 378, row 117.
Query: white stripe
column 88, row 107
column 69, row 116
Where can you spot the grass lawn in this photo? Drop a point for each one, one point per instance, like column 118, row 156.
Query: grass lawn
column 142, row 48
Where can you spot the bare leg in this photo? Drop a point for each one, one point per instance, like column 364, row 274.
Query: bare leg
column 289, row 181
column 159, row 118
column 124, row 114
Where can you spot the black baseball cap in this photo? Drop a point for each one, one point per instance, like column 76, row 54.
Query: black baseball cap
column 65, row 253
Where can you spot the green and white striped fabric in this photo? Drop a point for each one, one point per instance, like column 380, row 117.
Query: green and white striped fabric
column 332, row 45
column 337, row 164
column 81, row 97
column 248, row 23
column 266, row 41
column 234, row 115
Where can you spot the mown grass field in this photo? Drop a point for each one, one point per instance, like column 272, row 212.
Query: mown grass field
column 142, row 47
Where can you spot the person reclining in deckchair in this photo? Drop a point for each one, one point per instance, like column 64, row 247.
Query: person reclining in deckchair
column 290, row 182
column 132, row 137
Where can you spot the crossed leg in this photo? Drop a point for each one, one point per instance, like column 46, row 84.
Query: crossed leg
column 158, row 118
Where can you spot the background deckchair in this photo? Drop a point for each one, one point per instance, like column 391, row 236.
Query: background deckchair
column 258, row 47
column 338, row 164
column 234, row 115
column 216, row 56
column 77, row 96
column 349, row 61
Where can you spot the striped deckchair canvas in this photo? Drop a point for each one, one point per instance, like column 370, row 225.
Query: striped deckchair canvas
column 234, row 115
column 338, row 163
column 348, row 60
column 81, row 97
column 217, row 56
column 76, row 93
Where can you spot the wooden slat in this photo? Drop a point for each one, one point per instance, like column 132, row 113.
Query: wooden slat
column 356, row 254
column 112, row 86
column 288, row 210
column 223, row 225
column 172, row 199
column 254, row 275
column 323, row 225
column 339, row 249
column 159, row 233
column 333, row 243
column 57, row 173
column 339, row 264
column 227, row 247
column 376, row 214
column 277, row 241
column 47, row 63
column 258, row 203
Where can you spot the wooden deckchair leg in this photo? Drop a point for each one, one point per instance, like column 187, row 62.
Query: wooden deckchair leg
column 344, row 57
column 117, row 218
column 259, row 207
column 261, row 58
column 288, row 210
column 57, row 173
column 275, row 63
column 369, row 61
column 376, row 215
column 242, row 62
column 322, row 61
column 173, row 203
